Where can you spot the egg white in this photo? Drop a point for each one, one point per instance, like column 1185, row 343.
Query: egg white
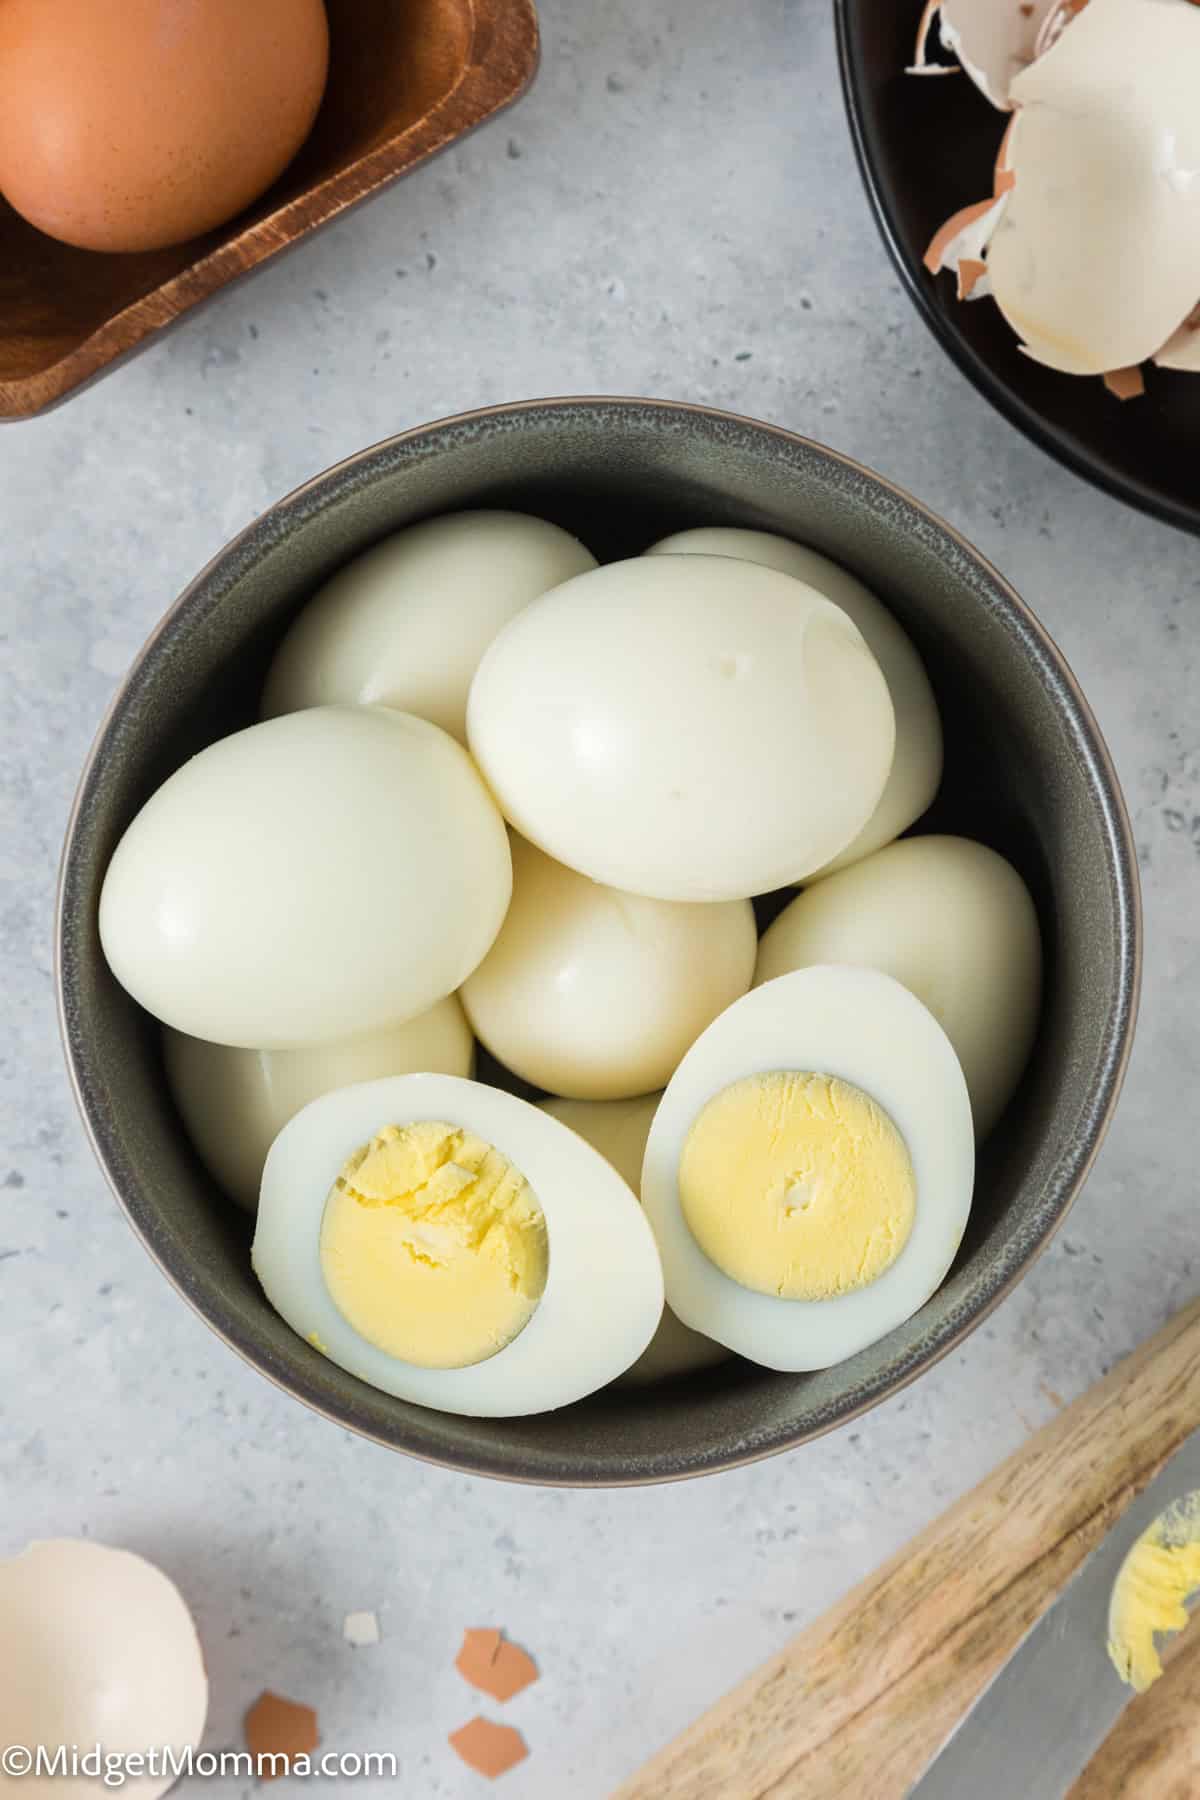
column 866, row 1029
column 604, row 1287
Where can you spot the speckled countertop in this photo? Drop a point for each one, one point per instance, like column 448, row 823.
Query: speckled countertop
column 673, row 210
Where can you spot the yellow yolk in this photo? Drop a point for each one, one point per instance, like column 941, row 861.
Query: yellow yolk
column 797, row 1185
column 1156, row 1578
column 433, row 1246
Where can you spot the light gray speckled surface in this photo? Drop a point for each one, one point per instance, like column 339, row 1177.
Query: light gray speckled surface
column 673, row 210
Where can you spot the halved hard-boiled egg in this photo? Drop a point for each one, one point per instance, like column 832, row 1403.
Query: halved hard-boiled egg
column 619, row 1129
column 809, row 1170
column 455, row 1246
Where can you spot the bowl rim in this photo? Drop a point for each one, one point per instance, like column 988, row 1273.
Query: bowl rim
column 1072, row 1170
column 1040, row 431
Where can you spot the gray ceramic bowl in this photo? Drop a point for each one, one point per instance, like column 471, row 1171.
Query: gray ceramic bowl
column 1027, row 772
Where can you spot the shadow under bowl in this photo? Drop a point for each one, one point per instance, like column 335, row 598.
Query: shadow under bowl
column 1026, row 771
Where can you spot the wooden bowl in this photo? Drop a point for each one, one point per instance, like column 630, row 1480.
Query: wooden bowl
column 406, row 78
column 1026, row 772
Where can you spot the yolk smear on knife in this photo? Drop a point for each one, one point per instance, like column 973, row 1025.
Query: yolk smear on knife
column 1150, row 1594
column 797, row 1185
column 433, row 1245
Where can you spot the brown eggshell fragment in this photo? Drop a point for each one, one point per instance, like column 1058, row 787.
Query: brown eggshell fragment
column 1125, row 384
column 970, row 273
column 279, row 1728
column 488, row 1748
column 493, row 1665
column 965, row 236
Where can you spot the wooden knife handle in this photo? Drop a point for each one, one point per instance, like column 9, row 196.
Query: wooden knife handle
column 857, row 1705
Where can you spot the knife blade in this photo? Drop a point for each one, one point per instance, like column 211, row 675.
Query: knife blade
column 1038, row 1723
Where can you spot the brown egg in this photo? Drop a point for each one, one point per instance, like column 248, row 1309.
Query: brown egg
column 132, row 124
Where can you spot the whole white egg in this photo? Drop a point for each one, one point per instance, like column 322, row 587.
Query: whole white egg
column 603, row 1293
column 406, row 623
column 97, row 1646
column 618, row 1129
column 862, row 1036
column 235, row 1102
column 917, row 764
column 309, row 878
column 955, row 923
column 688, row 728
column 595, row 994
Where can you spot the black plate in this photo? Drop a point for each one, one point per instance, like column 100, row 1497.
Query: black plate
column 927, row 147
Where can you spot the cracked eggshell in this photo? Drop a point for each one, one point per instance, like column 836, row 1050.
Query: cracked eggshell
column 1096, row 259
column 97, row 1647
column 994, row 40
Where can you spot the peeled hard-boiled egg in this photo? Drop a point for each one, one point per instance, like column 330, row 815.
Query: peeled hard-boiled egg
column 455, row 1246
column 809, row 1170
column 406, row 623
column 684, row 727
column 953, row 922
column 235, row 1102
column 618, row 1130
column 133, row 124
column 310, row 878
column 96, row 1647
column 595, row 994
column 917, row 763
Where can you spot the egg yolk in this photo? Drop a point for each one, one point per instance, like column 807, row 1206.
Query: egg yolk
column 1157, row 1578
column 797, row 1185
column 433, row 1245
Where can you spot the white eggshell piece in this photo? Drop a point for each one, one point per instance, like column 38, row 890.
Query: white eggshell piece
column 1097, row 257
column 310, row 878
column 618, row 1129
column 406, row 623
column 866, row 1029
column 96, row 1647
column 235, row 1102
column 596, row 994
column 953, row 922
column 993, row 40
column 685, row 727
column 1182, row 349
column 917, row 763
column 604, row 1294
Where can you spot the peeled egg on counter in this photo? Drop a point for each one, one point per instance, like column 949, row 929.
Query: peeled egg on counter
column 235, row 1102
column 134, row 124
column 97, row 1646
column 595, row 994
column 917, row 764
column 455, row 1246
column 684, row 727
column 310, row 878
column 955, row 923
column 809, row 1170
column 406, row 623
column 618, row 1129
